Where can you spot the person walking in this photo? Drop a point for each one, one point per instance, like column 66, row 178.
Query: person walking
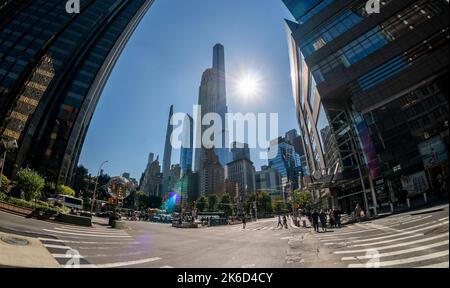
column 280, row 223
column 244, row 222
column 331, row 217
column 358, row 212
column 323, row 220
column 337, row 218
column 315, row 220
column 285, row 222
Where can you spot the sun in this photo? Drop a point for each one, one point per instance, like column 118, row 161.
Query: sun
column 248, row 85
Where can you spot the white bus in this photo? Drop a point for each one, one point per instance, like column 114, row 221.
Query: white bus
column 70, row 202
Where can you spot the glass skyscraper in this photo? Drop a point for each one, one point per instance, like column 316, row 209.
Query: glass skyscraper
column 371, row 94
column 53, row 68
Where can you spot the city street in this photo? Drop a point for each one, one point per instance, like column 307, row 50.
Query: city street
column 413, row 239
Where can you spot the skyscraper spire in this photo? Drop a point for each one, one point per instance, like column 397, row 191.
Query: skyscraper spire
column 167, row 157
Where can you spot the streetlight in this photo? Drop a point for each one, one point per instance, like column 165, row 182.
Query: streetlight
column 96, row 184
column 8, row 145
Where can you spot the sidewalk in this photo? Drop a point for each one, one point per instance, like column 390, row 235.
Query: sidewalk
column 33, row 255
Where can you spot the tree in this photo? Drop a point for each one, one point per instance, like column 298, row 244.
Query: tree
column 263, row 203
column 155, row 202
column 202, row 204
column 143, row 201
column 66, row 190
column 79, row 181
column 30, row 183
column 278, row 205
column 226, row 205
column 6, row 185
column 304, row 199
column 213, row 200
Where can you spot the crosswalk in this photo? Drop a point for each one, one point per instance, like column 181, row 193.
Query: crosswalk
column 79, row 247
column 412, row 241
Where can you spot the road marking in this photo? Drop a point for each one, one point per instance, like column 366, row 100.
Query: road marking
column 443, row 219
column 166, row 267
column 402, row 232
column 91, row 232
column 86, row 235
column 121, row 264
column 57, row 246
column 393, row 246
column 67, row 256
column 124, row 242
column 399, row 252
column 406, row 260
column 438, row 265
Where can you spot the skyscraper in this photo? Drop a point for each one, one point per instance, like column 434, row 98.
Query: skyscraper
column 240, row 151
column 187, row 147
column 167, row 157
column 371, row 95
column 53, row 68
column 213, row 99
column 288, row 164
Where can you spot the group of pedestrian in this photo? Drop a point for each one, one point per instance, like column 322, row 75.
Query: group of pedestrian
column 333, row 217
column 282, row 223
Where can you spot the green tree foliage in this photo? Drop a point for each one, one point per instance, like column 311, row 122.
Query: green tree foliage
column 202, row 204
column 79, row 182
column 213, row 200
column 278, row 205
column 304, row 199
column 66, row 190
column 226, row 205
column 263, row 203
column 49, row 188
column 6, row 185
column 30, row 183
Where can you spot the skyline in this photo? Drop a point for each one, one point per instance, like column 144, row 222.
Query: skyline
column 148, row 75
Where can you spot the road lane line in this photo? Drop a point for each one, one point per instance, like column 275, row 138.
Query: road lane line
column 393, row 246
column 438, row 265
column 403, row 232
column 399, row 252
column 406, row 260
column 67, row 256
column 57, row 246
column 121, row 264
column 123, row 242
column 85, row 235
column 443, row 219
column 90, row 232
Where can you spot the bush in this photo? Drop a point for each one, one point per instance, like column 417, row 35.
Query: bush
column 6, row 185
column 3, row 196
column 30, row 182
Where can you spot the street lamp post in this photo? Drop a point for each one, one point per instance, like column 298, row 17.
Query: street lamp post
column 96, row 184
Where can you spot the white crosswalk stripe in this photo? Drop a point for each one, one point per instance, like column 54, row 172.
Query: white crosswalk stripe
column 95, row 232
column 415, row 241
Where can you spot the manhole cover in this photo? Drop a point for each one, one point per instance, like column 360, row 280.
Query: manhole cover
column 15, row 241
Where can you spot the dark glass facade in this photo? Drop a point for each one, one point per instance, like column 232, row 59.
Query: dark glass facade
column 371, row 93
column 53, row 68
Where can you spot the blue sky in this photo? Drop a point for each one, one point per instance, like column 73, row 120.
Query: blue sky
column 163, row 64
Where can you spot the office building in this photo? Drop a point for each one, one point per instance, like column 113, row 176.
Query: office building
column 53, row 68
column 269, row 180
column 371, row 95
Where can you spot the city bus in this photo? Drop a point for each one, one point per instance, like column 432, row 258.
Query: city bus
column 70, row 202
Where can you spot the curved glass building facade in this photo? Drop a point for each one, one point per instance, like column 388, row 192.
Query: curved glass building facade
column 53, row 68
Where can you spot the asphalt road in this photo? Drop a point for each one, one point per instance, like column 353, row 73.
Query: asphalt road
column 414, row 239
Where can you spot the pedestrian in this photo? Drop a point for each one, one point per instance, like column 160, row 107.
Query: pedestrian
column 337, row 218
column 358, row 212
column 315, row 220
column 323, row 220
column 285, row 222
column 331, row 216
column 244, row 222
column 279, row 222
